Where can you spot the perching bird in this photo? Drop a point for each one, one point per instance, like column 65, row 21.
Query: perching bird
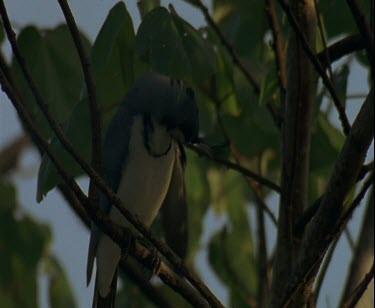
column 143, row 162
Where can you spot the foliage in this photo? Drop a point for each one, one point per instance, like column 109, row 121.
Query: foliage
column 230, row 108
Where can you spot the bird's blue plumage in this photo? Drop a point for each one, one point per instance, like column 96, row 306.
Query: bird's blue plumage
column 172, row 106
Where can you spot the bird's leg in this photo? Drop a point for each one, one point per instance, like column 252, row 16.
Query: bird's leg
column 128, row 243
column 152, row 259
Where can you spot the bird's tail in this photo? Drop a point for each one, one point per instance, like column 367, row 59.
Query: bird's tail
column 109, row 300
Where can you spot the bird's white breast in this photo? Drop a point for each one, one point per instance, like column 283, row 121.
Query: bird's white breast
column 143, row 187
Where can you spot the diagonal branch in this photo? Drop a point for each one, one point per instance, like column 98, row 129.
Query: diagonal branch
column 117, row 234
column 230, row 165
column 360, row 290
column 317, row 65
column 277, row 45
column 161, row 246
column 343, row 47
column 235, row 58
column 95, row 117
column 364, row 29
column 324, row 223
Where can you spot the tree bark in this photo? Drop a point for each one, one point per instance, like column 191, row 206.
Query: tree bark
column 300, row 98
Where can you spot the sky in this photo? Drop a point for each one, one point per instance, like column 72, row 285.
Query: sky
column 70, row 238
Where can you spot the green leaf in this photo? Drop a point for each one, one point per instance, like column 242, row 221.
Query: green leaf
column 253, row 130
column 338, row 18
column 59, row 290
column 173, row 47
column 239, row 273
column 326, row 144
column 23, row 243
column 197, row 199
column 244, row 25
column 115, row 67
column 55, row 68
column 146, row 6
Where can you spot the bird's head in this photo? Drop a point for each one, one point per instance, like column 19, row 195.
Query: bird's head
column 170, row 102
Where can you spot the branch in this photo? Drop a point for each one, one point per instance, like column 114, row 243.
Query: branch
column 163, row 248
column 317, row 65
column 230, row 165
column 348, row 165
column 360, row 290
column 363, row 251
column 117, row 234
column 251, row 79
column 343, row 47
column 296, row 144
column 364, row 29
column 95, row 118
column 235, row 58
column 277, row 45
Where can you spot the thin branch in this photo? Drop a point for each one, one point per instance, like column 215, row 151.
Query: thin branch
column 300, row 279
column 364, row 29
column 234, row 166
column 235, row 58
column 95, row 118
column 277, row 46
column 117, row 234
column 161, row 246
column 317, row 65
column 360, row 290
column 323, row 270
column 341, row 48
column 251, row 79
column 324, row 41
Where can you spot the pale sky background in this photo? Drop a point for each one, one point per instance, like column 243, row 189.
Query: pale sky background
column 70, row 238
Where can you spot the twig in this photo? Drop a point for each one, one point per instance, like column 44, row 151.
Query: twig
column 318, row 67
column 343, row 47
column 354, row 298
column 251, row 79
column 324, row 41
column 95, row 118
column 364, row 29
column 116, row 234
column 235, row 58
column 309, row 268
column 323, row 270
column 163, row 248
column 230, row 165
column 277, row 46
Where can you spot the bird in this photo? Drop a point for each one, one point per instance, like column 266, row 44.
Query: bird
column 143, row 162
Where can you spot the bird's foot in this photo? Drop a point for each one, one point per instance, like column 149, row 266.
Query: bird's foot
column 153, row 260
column 128, row 243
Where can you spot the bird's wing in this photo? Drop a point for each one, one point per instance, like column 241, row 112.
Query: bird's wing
column 115, row 152
column 174, row 214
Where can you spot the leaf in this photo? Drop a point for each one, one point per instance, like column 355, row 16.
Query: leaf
column 23, row 243
column 197, row 199
column 59, row 290
column 114, row 67
column 253, row 130
column 173, row 47
column 145, row 6
column 338, row 18
column 244, row 25
column 55, row 68
column 326, row 144
column 239, row 272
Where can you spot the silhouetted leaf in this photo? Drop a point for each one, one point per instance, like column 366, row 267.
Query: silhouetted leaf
column 173, row 47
